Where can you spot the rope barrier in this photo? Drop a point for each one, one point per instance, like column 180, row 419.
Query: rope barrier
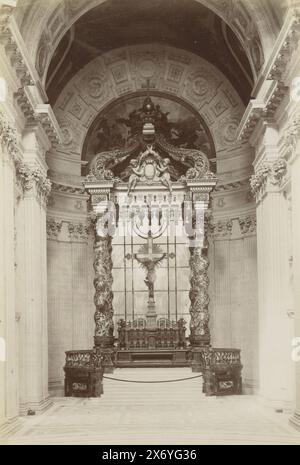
column 152, row 382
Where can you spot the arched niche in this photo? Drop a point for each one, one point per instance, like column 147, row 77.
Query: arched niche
column 175, row 74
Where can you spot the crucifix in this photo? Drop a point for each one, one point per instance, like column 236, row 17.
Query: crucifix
column 149, row 257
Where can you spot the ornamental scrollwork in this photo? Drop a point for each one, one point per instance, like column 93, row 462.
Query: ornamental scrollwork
column 196, row 163
column 102, row 165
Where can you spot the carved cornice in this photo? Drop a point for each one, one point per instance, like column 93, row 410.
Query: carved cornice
column 261, row 109
column 53, row 228
column 67, row 189
column 264, row 106
column 8, row 138
column 7, row 38
column 38, row 113
column 268, row 173
column 286, row 44
column 28, row 100
column 31, row 178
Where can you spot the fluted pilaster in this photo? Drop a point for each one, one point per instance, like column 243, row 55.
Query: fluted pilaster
column 32, row 175
column 295, row 420
column 275, row 367
column 9, row 156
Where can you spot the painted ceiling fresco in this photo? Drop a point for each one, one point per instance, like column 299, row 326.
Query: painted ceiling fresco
column 120, row 125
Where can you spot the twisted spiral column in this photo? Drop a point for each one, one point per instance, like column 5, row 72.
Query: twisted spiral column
column 200, row 334
column 103, row 299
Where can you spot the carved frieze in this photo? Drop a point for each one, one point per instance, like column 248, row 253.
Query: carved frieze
column 221, row 229
column 231, row 185
column 67, row 189
column 79, row 231
column 247, row 225
column 53, row 228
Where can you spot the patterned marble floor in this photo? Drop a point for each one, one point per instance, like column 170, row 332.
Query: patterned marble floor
column 169, row 413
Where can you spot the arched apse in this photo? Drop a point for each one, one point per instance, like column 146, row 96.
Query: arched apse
column 44, row 24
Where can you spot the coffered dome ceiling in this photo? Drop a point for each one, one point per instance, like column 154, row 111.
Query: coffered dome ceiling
column 185, row 24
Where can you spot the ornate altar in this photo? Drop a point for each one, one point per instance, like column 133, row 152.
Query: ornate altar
column 142, row 189
column 83, row 374
column 142, row 344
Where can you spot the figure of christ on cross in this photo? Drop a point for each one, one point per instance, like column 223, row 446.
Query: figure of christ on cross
column 149, row 257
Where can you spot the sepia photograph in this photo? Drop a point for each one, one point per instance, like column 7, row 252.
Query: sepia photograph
column 149, row 225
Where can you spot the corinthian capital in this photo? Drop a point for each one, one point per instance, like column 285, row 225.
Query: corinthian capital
column 268, row 173
column 32, row 178
column 8, row 138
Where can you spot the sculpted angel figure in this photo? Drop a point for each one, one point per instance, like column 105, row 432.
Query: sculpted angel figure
column 136, row 171
column 165, row 177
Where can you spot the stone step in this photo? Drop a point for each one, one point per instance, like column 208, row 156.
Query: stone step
column 154, row 393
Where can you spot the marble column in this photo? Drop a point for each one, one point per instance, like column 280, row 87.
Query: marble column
column 273, row 322
column 295, row 185
column 9, row 155
column 32, row 173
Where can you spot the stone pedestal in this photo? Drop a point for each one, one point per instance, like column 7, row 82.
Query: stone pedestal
column 151, row 316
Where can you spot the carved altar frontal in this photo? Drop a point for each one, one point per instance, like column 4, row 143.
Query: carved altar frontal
column 140, row 343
